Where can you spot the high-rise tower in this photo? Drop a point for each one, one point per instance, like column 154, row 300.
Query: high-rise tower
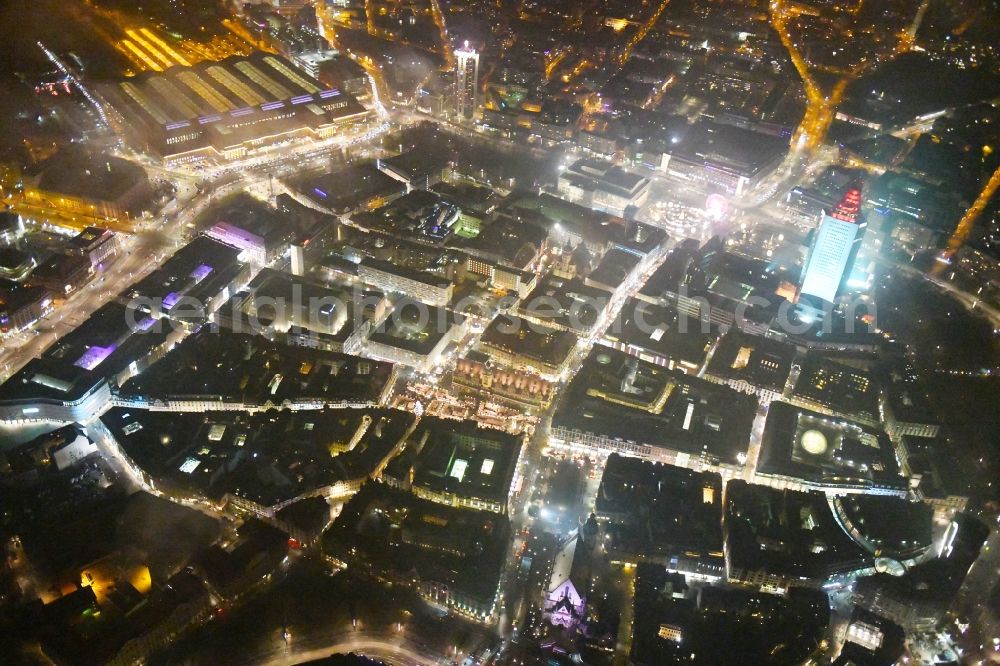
column 466, row 81
column 834, row 249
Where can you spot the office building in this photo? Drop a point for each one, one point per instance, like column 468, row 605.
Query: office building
column 51, row 390
column 415, row 335
column 15, row 265
column 419, row 285
column 724, row 157
column 534, row 349
column 453, row 557
column 20, row 307
column 63, row 274
column 466, row 81
column 260, row 231
column 834, row 249
column 662, row 513
column 778, row 538
column 98, row 245
column 603, row 187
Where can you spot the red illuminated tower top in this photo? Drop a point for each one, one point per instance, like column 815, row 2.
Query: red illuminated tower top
column 849, row 207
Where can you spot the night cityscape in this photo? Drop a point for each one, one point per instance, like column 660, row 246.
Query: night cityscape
column 499, row 332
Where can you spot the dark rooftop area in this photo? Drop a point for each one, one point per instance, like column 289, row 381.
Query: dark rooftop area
column 395, row 532
column 109, row 340
column 729, row 147
column 76, row 173
column 661, row 511
column 786, row 533
column 647, row 329
column 460, row 457
column 48, row 380
column 547, row 345
column 890, row 526
column 414, row 163
column 761, row 362
column 842, row 388
column 622, row 397
column 258, row 371
column 268, row 457
column 352, row 187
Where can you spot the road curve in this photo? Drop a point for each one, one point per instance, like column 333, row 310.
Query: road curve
column 396, row 653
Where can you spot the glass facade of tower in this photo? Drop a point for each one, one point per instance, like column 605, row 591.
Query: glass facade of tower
column 829, row 258
column 466, row 82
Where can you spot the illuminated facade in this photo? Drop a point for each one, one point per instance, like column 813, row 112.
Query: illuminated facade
column 466, row 81
column 229, row 109
column 834, row 250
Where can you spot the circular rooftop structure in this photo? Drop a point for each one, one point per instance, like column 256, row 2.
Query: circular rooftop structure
column 890, row 528
column 814, row 442
column 889, row 566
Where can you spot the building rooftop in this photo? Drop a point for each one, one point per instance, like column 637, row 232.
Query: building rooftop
column 462, row 458
column 76, row 173
column 87, row 238
column 550, row 346
column 48, row 380
column 200, row 270
column 671, row 274
column 109, row 340
column 614, row 268
column 841, row 388
column 592, row 227
column 936, row 461
column 267, row 457
column 512, row 238
column 589, row 174
column 413, row 164
column 14, row 263
column 59, row 267
column 475, row 199
column 906, row 394
column 352, row 187
column 658, row 511
column 927, row 589
column 729, row 148
column 827, row 450
column 415, row 328
column 647, row 330
column 252, row 216
column 761, row 362
column 419, row 215
column 404, row 536
column 423, row 277
column 618, row 396
column 756, row 627
column 16, row 297
column 887, row 526
column 664, row 624
column 565, row 303
column 228, row 102
column 788, row 534
column 248, row 369
column 293, row 301
column 37, row 456
column 871, row 640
